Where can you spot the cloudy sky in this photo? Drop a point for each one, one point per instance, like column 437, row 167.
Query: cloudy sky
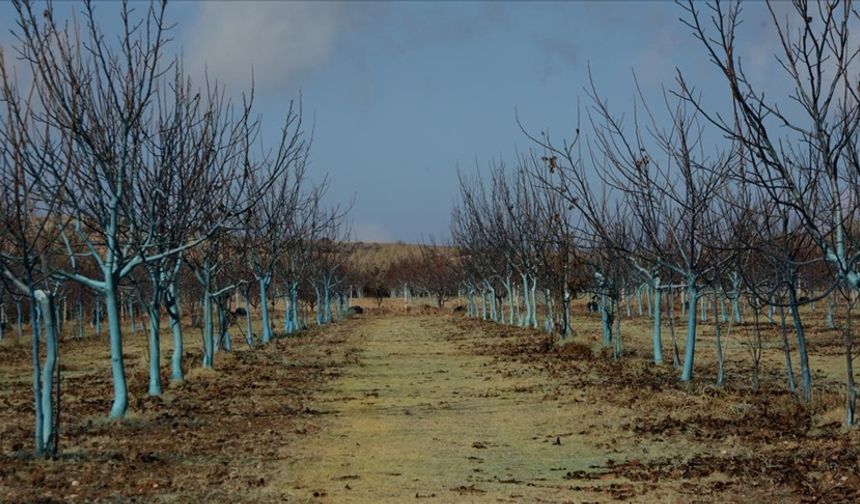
column 404, row 94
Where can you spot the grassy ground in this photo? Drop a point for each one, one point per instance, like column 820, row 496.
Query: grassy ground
column 390, row 406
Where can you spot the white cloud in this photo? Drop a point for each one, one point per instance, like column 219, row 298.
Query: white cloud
column 279, row 40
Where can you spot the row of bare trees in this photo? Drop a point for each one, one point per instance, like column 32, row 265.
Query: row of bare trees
column 127, row 186
column 754, row 210
column 432, row 271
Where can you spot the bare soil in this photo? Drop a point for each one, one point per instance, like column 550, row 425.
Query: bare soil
column 221, row 435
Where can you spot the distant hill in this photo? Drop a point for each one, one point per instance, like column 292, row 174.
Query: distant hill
column 368, row 254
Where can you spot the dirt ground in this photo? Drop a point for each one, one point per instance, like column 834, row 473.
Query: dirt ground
column 221, row 435
column 429, row 406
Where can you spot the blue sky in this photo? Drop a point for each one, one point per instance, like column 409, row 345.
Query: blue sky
column 402, row 94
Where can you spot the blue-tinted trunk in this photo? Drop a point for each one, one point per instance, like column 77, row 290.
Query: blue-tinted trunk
column 224, row 329
column 549, row 322
column 566, row 313
column 647, row 291
column 803, row 355
column 657, row 337
column 719, row 341
column 318, row 298
column 131, row 316
column 18, row 320
column 174, row 311
column 534, row 322
column 264, row 309
column 528, row 314
column 789, row 369
column 616, row 314
column 98, row 317
column 48, row 317
column 690, row 350
column 327, row 302
column 155, row 346
column 120, row 388
column 606, row 320
column 208, row 330
column 494, row 316
column 736, row 309
column 483, row 305
column 509, row 289
column 36, row 329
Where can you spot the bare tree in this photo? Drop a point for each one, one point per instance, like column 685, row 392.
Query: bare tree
column 32, row 156
column 800, row 149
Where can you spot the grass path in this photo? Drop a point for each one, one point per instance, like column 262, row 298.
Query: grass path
column 420, row 418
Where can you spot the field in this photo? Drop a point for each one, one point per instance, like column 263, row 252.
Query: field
column 390, row 406
column 699, row 156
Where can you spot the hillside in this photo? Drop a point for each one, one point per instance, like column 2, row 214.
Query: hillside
column 367, row 255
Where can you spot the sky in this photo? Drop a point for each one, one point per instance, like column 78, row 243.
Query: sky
column 402, row 95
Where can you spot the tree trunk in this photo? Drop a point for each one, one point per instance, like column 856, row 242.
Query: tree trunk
column 616, row 310
column 132, row 317
column 48, row 315
column 249, row 337
column 657, row 331
column 294, row 304
column 494, row 316
column 327, row 301
column 566, row 313
column 549, row 322
column 649, row 308
column 224, row 329
column 606, row 320
column 851, row 388
column 208, row 331
column 36, row 329
column 509, row 289
column 120, row 388
column 318, row 297
column 527, row 317
column 155, row 344
column 483, row 304
column 690, row 349
column 19, row 319
column 534, row 322
column 98, row 321
column 264, row 308
column 676, row 358
column 803, row 355
column 174, row 311
column 719, row 337
column 786, row 348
